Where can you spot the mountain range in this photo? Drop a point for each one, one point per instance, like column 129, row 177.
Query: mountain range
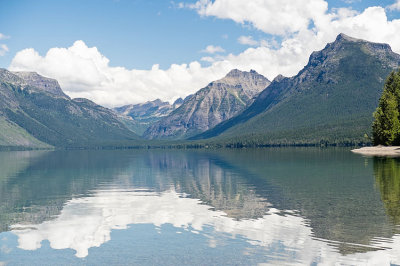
column 35, row 113
column 329, row 101
column 217, row 102
column 138, row 117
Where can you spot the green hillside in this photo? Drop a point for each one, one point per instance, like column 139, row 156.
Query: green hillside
column 13, row 136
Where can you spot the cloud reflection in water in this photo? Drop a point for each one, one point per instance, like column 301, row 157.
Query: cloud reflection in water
column 87, row 222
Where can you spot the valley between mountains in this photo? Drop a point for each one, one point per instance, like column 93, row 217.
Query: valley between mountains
column 330, row 102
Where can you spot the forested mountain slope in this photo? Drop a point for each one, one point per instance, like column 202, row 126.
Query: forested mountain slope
column 330, row 100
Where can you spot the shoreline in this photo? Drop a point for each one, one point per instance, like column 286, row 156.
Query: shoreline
column 392, row 151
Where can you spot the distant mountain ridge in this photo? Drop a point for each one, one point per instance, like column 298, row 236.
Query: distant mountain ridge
column 138, row 117
column 330, row 100
column 217, row 102
column 35, row 113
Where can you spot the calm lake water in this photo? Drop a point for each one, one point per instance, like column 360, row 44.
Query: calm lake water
column 170, row 207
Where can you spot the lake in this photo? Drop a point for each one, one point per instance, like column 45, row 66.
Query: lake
column 199, row 207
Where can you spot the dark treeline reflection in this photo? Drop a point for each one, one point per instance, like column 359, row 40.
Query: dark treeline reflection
column 333, row 189
column 387, row 176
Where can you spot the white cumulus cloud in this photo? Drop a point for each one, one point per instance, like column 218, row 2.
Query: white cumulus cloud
column 247, row 40
column 304, row 26
column 271, row 16
column 211, row 49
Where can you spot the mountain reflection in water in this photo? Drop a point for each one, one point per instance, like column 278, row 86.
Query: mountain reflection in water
column 295, row 205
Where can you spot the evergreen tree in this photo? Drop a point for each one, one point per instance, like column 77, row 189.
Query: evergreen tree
column 386, row 126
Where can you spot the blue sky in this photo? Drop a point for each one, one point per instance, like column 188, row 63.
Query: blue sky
column 139, row 34
column 133, row 34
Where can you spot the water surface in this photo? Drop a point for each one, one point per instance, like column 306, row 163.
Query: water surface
column 272, row 206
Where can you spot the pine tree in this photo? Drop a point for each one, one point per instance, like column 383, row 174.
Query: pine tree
column 386, row 126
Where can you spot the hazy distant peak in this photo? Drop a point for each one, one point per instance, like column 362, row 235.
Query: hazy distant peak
column 150, row 111
column 156, row 102
column 148, row 104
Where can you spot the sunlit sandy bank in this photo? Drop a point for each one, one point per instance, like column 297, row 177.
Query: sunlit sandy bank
column 379, row 151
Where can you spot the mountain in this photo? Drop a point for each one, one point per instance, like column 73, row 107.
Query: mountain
column 330, row 100
column 35, row 113
column 138, row 117
column 45, row 84
column 219, row 101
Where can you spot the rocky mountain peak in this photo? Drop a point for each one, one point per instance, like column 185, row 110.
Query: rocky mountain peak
column 234, row 73
column 38, row 81
column 238, row 74
column 344, row 37
column 217, row 102
column 343, row 47
column 33, row 80
column 278, row 78
column 251, row 80
column 337, row 91
column 156, row 102
column 9, row 77
column 375, row 47
column 178, row 102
